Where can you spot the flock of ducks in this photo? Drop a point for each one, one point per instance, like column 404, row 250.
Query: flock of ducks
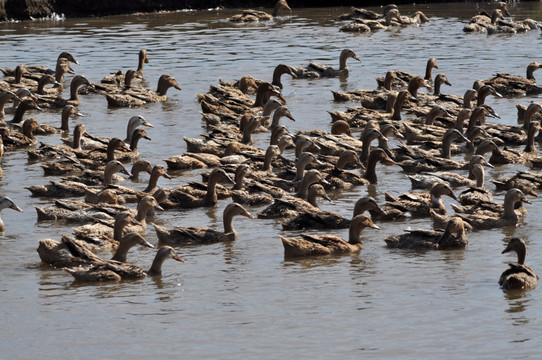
column 436, row 126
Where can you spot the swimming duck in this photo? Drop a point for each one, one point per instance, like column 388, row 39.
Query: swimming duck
column 367, row 137
column 12, row 138
column 118, row 77
column 22, row 108
column 116, row 271
column 314, row 70
column 255, row 15
column 66, row 252
column 40, row 69
column 182, row 197
column 308, row 245
column 290, row 206
column 525, row 181
column 518, row 276
column 133, row 123
column 420, row 204
column 328, row 219
column 6, row 96
column 281, row 69
column 493, row 216
column 510, row 85
column 399, row 80
column 359, row 25
column 105, row 234
column 375, row 156
column 199, row 235
column 137, row 96
column 7, row 203
column 453, row 237
column 76, row 83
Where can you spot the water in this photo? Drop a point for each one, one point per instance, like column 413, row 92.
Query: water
column 244, row 298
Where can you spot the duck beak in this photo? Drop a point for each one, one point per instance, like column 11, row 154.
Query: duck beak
column 326, row 196
column 497, row 94
column 532, row 193
column 356, row 58
column 381, row 211
column 290, row 117
column 446, row 82
column 452, row 195
column 158, row 207
column 126, row 172
column 507, row 249
column 146, row 137
column 324, row 181
column 135, row 222
column 360, row 165
column 282, row 99
column 166, row 176
column 248, row 215
column 147, row 244
column 373, row 226
column 399, row 136
column 148, row 124
column 16, row 208
column 524, row 200
column 389, row 161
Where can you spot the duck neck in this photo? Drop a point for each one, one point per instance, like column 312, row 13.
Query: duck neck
column 44, row 80
column 300, row 168
column 142, row 214
column 311, row 198
column 354, row 233
column 122, row 251
column 111, row 147
column 227, row 220
column 479, row 174
column 277, row 73
column 436, row 201
column 370, row 173
column 239, row 180
column 428, row 67
column 532, row 129
column 262, row 95
column 162, row 90
column 19, row 113
column 437, row 86
column 108, row 176
column 521, row 255
column 304, row 187
column 341, row 162
column 366, row 147
column 28, row 128
column 133, row 142
column 77, row 134
column 509, row 213
column 118, row 229
column 388, row 80
column 153, row 181
column 74, row 86
column 446, row 144
column 156, row 266
column 141, row 63
column 210, row 196
column 397, row 107
column 269, row 156
column 342, row 61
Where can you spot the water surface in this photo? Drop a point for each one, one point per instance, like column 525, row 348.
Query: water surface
column 244, row 299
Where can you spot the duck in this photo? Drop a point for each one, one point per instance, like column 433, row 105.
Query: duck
column 509, row 85
column 183, row 197
column 523, row 180
column 256, row 15
column 453, row 237
column 493, row 216
column 313, row 245
column 519, row 275
column 280, row 70
column 359, row 25
column 5, row 97
column 66, row 252
column 106, row 235
column 328, row 219
column 398, row 80
column 7, row 203
column 375, row 156
column 58, row 102
column 420, row 204
column 314, row 70
column 64, row 151
column 112, row 271
column 290, row 206
column 118, row 77
column 13, row 139
column 478, row 193
column 137, row 96
column 22, row 108
column 40, row 69
column 198, row 235
column 425, row 181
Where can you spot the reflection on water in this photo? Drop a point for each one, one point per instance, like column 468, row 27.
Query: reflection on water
column 230, row 300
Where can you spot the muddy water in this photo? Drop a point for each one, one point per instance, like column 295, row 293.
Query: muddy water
column 244, row 298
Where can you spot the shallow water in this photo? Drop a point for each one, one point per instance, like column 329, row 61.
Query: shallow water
column 244, row 298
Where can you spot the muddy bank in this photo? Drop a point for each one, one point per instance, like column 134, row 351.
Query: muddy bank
column 28, row 9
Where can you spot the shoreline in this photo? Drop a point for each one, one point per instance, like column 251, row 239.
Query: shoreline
column 34, row 9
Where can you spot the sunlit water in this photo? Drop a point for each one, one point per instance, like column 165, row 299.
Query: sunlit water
column 244, row 299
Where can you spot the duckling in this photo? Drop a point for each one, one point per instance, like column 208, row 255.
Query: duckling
column 420, row 204
column 493, row 216
column 453, row 237
column 182, row 198
column 518, row 276
column 314, row 70
column 199, row 235
column 137, row 96
column 309, row 245
column 255, row 15
column 509, row 85
column 328, row 219
column 116, row 271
